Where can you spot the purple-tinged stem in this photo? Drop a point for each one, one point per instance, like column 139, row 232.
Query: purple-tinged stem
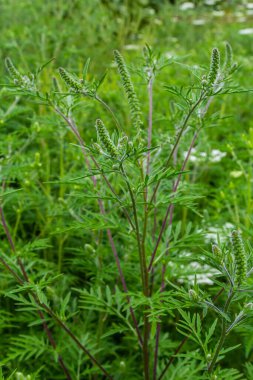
column 170, row 207
column 150, row 122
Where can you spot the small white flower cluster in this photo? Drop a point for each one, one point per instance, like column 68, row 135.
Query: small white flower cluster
column 198, row 22
column 132, row 47
column 215, row 156
column 247, row 31
column 202, row 273
column 218, row 13
column 187, row 5
column 210, row 2
column 213, row 232
column 202, row 278
column 20, row 376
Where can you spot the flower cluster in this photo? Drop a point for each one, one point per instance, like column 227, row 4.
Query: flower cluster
column 214, row 67
column 70, row 81
column 104, row 139
column 129, row 88
column 217, row 253
column 23, row 81
column 240, row 258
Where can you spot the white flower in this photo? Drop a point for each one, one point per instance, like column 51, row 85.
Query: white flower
column 132, row 47
column 198, row 22
column 168, row 55
column 201, row 278
column 218, row 13
column 157, row 21
column 228, row 226
column 210, row 2
column 246, row 31
column 185, row 6
column 217, row 155
column 223, row 233
column 249, row 6
column 250, row 12
column 212, row 233
column 236, row 174
column 238, row 14
column 202, row 273
column 196, row 156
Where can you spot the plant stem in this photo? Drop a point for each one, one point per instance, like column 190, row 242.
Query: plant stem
column 171, row 206
column 76, row 340
column 101, row 101
column 158, row 328
column 150, row 122
column 223, row 333
column 70, row 122
column 138, row 237
column 144, row 275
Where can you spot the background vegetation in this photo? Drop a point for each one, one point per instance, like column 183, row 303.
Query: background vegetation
column 60, row 239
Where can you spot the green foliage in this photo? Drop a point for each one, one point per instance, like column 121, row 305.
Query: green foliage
column 116, row 253
column 105, row 140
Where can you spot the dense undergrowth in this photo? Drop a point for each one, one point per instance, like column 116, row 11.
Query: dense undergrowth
column 126, row 190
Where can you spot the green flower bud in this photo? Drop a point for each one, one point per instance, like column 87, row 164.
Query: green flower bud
column 229, row 58
column 70, row 81
column 122, row 144
column 193, row 295
column 89, row 248
column 97, row 147
column 217, row 252
column 240, row 258
column 248, row 306
column 129, row 89
column 14, row 73
column 122, row 364
column 204, row 81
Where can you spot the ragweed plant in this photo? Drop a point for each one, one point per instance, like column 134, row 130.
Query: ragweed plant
column 125, row 202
